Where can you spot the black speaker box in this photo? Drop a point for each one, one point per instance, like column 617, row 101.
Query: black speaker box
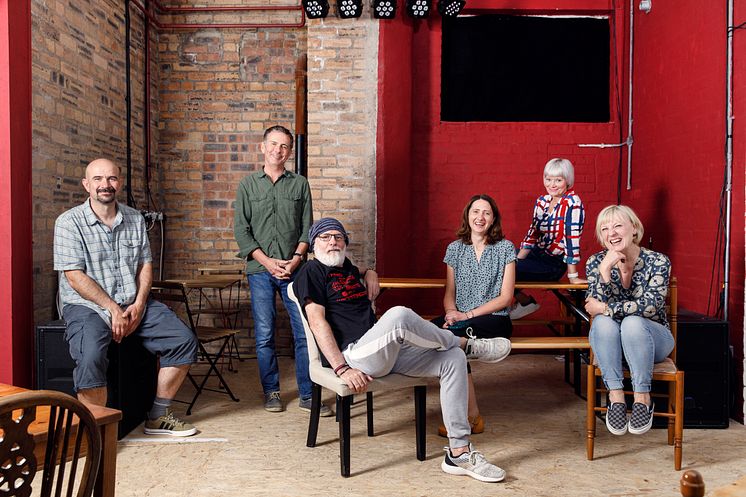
column 131, row 376
column 703, row 353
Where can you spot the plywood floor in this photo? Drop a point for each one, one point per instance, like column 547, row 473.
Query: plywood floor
column 535, row 430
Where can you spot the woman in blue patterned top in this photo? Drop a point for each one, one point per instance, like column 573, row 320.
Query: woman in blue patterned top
column 552, row 244
column 480, row 277
column 627, row 287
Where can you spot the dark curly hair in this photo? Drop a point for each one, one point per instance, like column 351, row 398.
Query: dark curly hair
column 494, row 234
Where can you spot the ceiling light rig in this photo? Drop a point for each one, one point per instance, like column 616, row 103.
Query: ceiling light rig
column 384, row 9
column 316, row 9
column 419, row 9
column 347, row 9
column 450, row 8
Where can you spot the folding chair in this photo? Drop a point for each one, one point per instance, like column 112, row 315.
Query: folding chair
column 174, row 295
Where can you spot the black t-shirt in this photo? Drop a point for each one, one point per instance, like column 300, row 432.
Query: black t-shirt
column 343, row 295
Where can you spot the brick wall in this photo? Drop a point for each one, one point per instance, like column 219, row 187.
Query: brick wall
column 219, row 89
column 342, row 116
column 78, row 115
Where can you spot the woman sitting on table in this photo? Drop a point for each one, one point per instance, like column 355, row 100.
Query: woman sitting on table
column 627, row 287
column 552, row 244
column 480, row 276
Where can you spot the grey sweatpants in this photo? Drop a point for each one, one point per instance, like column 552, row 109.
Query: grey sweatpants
column 402, row 342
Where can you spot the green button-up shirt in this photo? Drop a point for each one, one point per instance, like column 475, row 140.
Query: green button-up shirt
column 274, row 217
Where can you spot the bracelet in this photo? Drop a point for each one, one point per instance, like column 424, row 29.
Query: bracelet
column 298, row 254
column 336, row 370
column 572, row 275
column 344, row 371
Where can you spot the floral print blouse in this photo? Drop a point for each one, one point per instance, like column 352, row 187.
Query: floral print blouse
column 646, row 295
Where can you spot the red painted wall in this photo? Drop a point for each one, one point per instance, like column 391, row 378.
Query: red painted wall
column 16, row 324
column 736, row 297
column 449, row 162
column 677, row 157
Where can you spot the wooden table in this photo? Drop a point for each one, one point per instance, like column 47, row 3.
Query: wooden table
column 573, row 302
column 218, row 282
column 107, row 421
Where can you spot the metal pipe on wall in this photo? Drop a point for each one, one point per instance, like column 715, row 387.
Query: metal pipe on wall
column 283, row 8
column 728, row 158
column 301, row 156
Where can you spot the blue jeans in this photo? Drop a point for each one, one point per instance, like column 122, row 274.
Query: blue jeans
column 641, row 341
column 539, row 266
column 263, row 289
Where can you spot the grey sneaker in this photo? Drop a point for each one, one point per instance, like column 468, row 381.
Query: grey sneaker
column 272, row 402
column 521, row 311
column 472, row 464
column 487, row 349
column 168, row 424
column 324, row 412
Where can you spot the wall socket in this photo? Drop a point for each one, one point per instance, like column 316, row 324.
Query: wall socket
column 152, row 216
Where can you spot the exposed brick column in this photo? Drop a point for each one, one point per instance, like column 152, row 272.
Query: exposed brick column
column 342, row 116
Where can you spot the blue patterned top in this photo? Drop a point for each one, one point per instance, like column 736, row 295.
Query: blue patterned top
column 479, row 282
column 646, row 295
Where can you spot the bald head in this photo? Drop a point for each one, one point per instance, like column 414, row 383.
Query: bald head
column 102, row 181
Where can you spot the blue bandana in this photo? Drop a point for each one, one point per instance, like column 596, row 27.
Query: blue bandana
column 326, row 224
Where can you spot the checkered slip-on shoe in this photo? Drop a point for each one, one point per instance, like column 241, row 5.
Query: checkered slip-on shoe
column 616, row 418
column 641, row 419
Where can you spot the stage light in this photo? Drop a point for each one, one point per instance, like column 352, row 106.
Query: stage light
column 384, row 9
column 450, row 8
column 419, row 9
column 316, row 9
column 347, row 9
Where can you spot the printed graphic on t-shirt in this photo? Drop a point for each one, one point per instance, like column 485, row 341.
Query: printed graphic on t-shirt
column 345, row 287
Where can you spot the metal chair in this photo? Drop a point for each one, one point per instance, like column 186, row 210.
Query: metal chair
column 174, row 294
column 324, row 377
column 663, row 371
column 57, row 427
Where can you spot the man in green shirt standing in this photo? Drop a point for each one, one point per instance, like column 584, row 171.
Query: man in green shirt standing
column 272, row 217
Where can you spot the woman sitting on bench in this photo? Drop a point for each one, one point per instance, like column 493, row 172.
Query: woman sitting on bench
column 552, row 244
column 627, row 287
column 480, row 277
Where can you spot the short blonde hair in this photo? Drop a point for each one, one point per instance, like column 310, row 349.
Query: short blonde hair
column 622, row 212
column 561, row 167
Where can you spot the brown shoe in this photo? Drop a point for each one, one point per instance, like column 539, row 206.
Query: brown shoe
column 476, row 423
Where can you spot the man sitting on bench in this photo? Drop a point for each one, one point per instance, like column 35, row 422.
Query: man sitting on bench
column 335, row 301
column 102, row 252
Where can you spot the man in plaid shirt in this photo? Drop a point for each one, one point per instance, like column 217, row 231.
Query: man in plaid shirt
column 102, row 253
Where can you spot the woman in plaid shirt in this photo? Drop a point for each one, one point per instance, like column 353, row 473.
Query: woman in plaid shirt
column 552, row 244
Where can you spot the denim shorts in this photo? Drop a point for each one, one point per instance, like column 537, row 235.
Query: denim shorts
column 88, row 337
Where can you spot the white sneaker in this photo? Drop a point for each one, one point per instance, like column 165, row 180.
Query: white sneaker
column 472, row 464
column 487, row 349
column 520, row 311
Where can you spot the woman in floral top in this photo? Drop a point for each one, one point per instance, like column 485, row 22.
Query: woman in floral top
column 480, row 277
column 627, row 287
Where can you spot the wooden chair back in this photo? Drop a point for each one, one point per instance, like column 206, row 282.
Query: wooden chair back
column 70, row 432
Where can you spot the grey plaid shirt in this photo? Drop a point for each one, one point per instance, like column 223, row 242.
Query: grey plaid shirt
column 110, row 257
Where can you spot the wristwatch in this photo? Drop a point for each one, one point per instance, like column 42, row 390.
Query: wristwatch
column 607, row 310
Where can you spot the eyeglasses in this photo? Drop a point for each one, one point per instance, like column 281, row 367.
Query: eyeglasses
column 328, row 236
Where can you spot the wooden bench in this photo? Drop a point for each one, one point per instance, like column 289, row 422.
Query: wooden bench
column 573, row 342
